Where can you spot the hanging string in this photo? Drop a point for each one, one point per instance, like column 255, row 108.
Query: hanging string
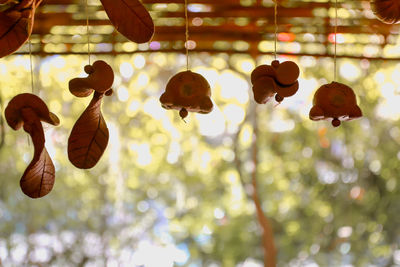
column 87, row 29
column 187, row 35
column 32, row 88
column 334, row 58
column 276, row 25
column 30, row 62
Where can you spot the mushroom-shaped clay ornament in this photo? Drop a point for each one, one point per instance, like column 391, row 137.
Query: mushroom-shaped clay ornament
column 335, row 101
column 100, row 79
column 187, row 91
column 279, row 79
column 27, row 111
column 89, row 136
column 388, row 11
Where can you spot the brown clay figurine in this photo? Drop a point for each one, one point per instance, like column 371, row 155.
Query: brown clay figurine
column 388, row 11
column 335, row 101
column 279, row 79
column 16, row 24
column 89, row 136
column 187, row 91
column 27, row 111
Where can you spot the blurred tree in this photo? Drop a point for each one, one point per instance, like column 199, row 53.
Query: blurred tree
column 167, row 193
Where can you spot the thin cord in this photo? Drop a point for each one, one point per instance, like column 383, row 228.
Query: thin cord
column 31, row 65
column 276, row 25
column 87, row 29
column 334, row 58
column 187, row 35
column 30, row 62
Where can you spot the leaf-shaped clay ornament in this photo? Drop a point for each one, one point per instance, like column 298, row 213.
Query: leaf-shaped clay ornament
column 16, row 24
column 130, row 18
column 388, row 11
column 89, row 136
column 187, row 91
column 28, row 110
column 279, row 78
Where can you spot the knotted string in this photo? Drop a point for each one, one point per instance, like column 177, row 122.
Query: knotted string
column 31, row 64
column 87, row 29
column 276, row 26
column 334, row 58
column 32, row 86
column 187, row 34
column 276, row 35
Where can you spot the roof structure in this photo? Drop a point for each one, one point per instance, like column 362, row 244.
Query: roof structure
column 222, row 26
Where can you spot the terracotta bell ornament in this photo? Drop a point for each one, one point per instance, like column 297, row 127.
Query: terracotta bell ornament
column 27, row 111
column 387, row 11
column 187, row 91
column 279, row 79
column 89, row 136
column 335, row 101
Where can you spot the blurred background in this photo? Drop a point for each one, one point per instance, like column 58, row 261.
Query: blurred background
column 169, row 193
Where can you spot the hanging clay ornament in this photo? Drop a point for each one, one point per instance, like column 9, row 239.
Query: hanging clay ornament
column 89, row 136
column 335, row 101
column 279, row 79
column 16, row 24
column 130, row 18
column 387, row 11
column 27, row 111
column 187, row 91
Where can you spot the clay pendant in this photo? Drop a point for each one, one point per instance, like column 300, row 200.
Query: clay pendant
column 187, row 91
column 27, row 111
column 335, row 101
column 89, row 136
column 279, row 79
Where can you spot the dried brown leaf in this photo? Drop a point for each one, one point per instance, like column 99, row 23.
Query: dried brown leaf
column 16, row 24
column 28, row 110
column 89, row 136
column 38, row 178
column 130, row 18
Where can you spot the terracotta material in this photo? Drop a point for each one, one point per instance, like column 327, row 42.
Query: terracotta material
column 130, row 18
column 100, row 78
column 388, row 11
column 187, row 91
column 279, row 79
column 335, row 101
column 89, row 136
column 16, row 24
column 27, row 110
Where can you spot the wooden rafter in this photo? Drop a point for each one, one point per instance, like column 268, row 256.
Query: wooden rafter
column 228, row 21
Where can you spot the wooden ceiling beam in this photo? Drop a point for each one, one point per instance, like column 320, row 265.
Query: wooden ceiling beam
column 226, row 16
column 213, row 51
column 212, row 2
column 45, row 22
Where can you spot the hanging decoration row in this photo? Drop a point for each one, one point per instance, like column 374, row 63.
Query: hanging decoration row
column 186, row 91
